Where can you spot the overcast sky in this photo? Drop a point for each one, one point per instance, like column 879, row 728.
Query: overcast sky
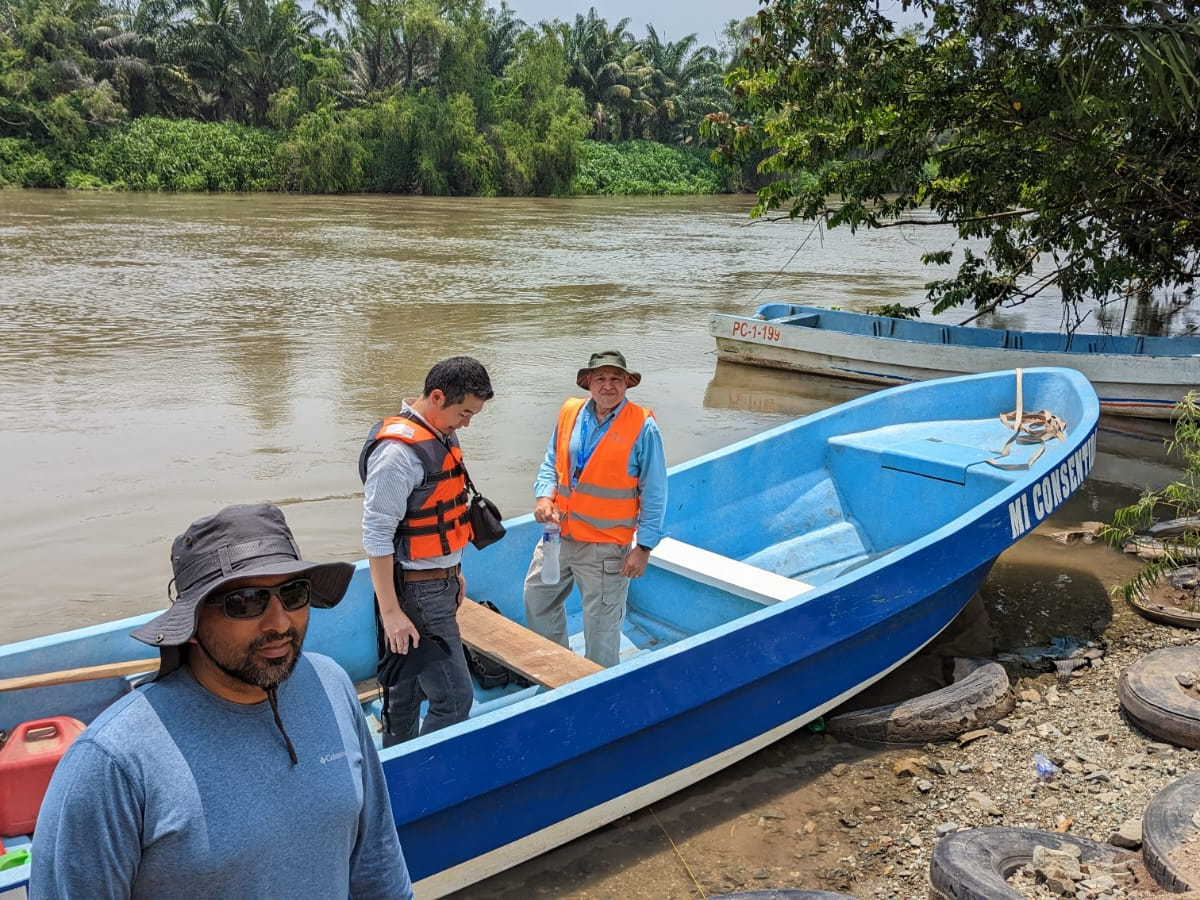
column 672, row 19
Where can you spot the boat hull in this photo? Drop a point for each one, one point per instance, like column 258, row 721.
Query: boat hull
column 591, row 757
column 882, row 351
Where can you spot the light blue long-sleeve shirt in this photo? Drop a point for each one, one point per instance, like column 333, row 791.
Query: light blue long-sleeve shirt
column 647, row 463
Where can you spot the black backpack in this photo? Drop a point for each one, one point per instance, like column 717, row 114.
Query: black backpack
column 487, row 671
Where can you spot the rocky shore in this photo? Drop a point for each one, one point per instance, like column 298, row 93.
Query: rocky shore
column 1105, row 772
column 819, row 813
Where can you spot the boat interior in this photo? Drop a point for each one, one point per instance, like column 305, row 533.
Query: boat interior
column 740, row 542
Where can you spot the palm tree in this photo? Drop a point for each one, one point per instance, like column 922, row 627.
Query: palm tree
column 682, row 83
column 390, row 42
column 207, row 46
column 600, row 61
column 240, row 52
column 133, row 53
column 269, row 39
column 502, row 29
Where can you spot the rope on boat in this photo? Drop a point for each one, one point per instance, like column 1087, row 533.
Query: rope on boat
column 1028, row 428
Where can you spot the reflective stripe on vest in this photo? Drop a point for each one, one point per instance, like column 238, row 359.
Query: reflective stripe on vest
column 435, row 520
column 603, row 506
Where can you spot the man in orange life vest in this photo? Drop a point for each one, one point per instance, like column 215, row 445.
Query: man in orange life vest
column 604, row 479
column 414, row 529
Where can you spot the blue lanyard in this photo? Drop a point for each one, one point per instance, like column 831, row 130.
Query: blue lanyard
column 585, row 452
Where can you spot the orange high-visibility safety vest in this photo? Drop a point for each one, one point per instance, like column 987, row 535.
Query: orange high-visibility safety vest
column 603, row 507
column 435, row 521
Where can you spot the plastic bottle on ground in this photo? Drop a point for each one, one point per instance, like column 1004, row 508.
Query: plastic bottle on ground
column 1045, row 768
column 551, row 542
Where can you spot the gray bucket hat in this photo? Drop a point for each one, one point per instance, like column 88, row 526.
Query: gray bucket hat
column 613, row 358
column 237, row 543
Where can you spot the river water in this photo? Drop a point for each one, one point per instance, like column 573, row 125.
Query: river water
column 164, row 355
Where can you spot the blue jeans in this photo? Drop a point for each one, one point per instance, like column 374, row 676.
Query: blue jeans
column 447, row 685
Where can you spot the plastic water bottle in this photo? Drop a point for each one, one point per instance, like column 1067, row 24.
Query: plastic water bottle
column 1045, row 768
column 551, row 542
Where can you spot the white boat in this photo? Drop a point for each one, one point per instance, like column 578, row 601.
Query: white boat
column 1133, row 375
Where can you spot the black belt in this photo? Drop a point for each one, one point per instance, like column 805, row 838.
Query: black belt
column 410, row 575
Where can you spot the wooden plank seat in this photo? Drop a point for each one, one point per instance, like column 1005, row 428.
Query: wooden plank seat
column 537, row 658
column 724, row 572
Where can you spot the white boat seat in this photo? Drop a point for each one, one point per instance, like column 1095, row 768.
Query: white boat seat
column 725, row 572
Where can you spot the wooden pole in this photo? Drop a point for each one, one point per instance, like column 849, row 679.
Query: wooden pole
column 86, row 673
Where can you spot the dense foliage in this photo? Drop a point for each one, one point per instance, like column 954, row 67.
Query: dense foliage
column 643, row 167
column 447, row 97
column 157, row 154
column 1060, row 136
column 1178, row 502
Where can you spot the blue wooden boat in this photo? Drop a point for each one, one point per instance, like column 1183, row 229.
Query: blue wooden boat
column 803, row 565
column 1133, row 375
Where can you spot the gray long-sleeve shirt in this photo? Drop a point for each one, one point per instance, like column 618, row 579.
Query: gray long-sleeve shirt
column 393, row 473
column 174, row 792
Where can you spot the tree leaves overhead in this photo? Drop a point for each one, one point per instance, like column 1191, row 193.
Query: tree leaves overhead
column 1061, row 137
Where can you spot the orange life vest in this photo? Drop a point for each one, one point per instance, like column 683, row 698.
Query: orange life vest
column 603, row 506
column 435, row 521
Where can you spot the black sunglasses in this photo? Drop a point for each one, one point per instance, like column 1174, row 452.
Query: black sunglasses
column 252, row 602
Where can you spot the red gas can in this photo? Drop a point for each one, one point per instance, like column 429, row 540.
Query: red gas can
column 27, row 761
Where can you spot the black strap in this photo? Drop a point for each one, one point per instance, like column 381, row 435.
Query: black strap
column 471, row 491
column 444, row 475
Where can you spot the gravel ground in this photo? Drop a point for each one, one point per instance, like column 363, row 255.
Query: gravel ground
column 1107, row 771
column 816, row 812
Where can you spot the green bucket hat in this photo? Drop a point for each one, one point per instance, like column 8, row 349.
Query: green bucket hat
column 612, row 358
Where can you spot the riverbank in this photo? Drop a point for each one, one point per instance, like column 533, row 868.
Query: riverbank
column 816, row 812
column 186, row 156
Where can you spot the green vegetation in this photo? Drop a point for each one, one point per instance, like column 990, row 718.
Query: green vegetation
column 452, row 97
column 643, row 167
column 1060, row 135
column 152, row 154
column 1178, row 500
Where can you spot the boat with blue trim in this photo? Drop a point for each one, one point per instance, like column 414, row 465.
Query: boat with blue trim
column 803, row 565
column 1133, row 375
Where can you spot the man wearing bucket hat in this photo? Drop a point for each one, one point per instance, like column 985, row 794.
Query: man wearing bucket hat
column 246, row 767
column 604, row 481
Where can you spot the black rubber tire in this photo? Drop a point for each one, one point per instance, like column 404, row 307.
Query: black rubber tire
column 1164, row 615
column 979, row 695
column 973, row 864
column 1169, row 820
column 1156, row 703
column 786, row 894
